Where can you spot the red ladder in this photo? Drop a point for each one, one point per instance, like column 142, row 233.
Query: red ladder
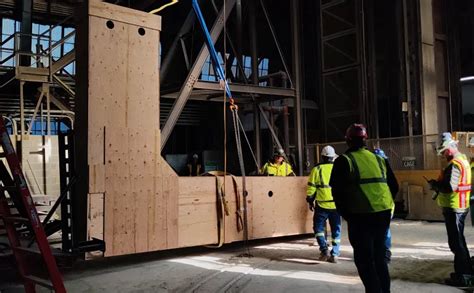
column 20, row 195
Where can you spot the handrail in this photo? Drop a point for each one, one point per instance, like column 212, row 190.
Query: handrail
column 63, row 40
column 64, row 86
column 8, row 81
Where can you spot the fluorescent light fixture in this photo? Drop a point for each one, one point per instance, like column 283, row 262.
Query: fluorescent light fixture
column 467, row 78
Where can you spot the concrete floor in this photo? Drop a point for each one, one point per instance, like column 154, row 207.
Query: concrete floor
column 421, row 261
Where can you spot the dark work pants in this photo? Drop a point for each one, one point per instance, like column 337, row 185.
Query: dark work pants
column 457, row 243
column 319, row 224
column 367, row 235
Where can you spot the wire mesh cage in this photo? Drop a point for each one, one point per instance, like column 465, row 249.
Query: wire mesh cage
column 404, row 153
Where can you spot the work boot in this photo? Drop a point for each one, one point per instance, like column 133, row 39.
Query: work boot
column 324, row 256
column 332, row 259
column 458, row 280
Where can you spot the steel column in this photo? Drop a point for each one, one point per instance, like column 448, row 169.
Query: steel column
column 238, row 29
column 407, row 68
column 296, row 50
column 254, row 56
column 26, row 9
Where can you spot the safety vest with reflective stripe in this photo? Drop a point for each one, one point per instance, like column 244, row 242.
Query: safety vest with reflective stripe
column 372, row 193
column 459, row 198
column 318, row 184
column 271, row 169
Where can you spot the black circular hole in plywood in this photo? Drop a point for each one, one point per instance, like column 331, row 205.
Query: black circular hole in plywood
column 141, row 31
column 110, row 24
column 270, row 193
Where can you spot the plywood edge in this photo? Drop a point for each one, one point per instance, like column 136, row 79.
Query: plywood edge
column 126, row 15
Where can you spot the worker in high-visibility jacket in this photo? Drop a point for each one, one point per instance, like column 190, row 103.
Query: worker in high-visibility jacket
column 362, row 186
column 277, row 166
column 319, row 198
column 453, row 189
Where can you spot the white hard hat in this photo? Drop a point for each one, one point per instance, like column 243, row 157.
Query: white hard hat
column 328, row 151
column 447, row 142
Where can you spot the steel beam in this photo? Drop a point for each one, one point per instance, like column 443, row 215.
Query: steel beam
column 255, row 78
column 193, row 75
column 246, row 89
column 296, row 50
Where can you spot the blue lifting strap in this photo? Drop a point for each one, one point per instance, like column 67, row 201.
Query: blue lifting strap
column 212, row 50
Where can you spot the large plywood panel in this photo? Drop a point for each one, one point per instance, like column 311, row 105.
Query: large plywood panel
column 123, row 131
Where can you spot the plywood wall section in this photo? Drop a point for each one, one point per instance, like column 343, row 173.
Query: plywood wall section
column 136, row 201
column 124, row 158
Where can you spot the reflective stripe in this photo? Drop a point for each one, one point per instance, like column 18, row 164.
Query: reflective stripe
column 379, row 160
column 325, row 200
column 336, row 240
column 462, row 194
column 320, row 234
column 464, row 187
column 372, row 180
column 322, row 186
column 311, row 184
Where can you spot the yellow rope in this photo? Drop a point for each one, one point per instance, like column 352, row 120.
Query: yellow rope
column 163, row 7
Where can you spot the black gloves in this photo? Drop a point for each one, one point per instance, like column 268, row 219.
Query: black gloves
column 434, row 185
column 310, row 200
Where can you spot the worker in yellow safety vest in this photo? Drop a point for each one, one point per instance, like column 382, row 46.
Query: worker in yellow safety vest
column 277, row 166
column 362, row 186
column 453, row 191
column 319, row 198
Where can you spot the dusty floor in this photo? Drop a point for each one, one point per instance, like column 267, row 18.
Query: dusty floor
column 421, row 260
